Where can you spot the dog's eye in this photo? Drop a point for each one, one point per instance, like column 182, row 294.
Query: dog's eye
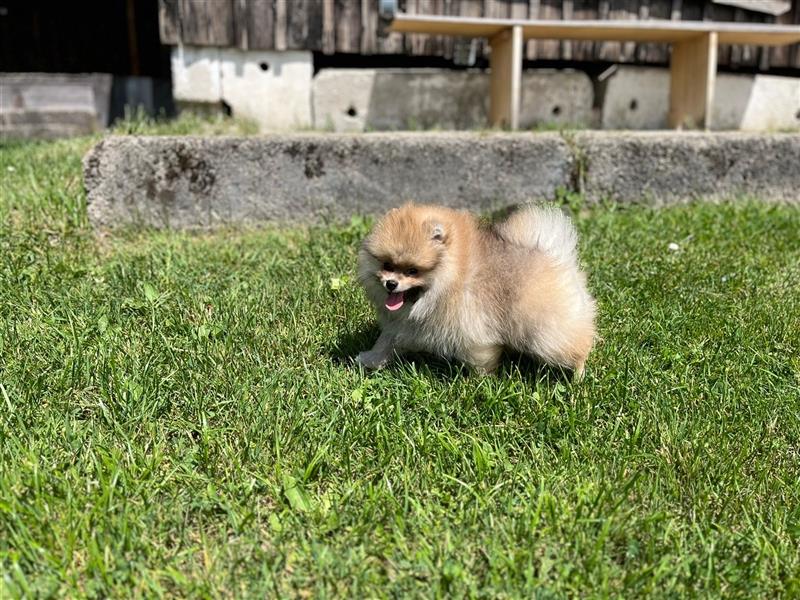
column 387, row 266
column 412, row 271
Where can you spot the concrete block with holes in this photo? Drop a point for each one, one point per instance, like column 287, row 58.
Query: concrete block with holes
column 638, row 98
column 272, row 88
column 396, row 99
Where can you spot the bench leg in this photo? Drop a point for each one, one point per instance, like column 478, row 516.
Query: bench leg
column 693, row 71
column 505, row 63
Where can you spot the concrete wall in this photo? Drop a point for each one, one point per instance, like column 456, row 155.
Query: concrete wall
column 638, row 98
column 394, row 99
column 46, row 105
column 272, row 88
column 185, row 182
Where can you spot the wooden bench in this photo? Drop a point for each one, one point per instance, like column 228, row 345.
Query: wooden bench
column 693, row 67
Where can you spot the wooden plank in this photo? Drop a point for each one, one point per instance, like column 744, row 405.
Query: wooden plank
column 261, row 24
column 518, row 10
column 606, row 50
column 369, row 27
column 547, row 48
column 654, row 53
column 760, row 37
column 723, row 14
column 450, row 8
column 692, row 10
column 615, row 51
column 779, row 55
column 411, row 41
column 625, row 10
column 659, row 53
column 193, row 22
column 677, row 5
column 787, row 56
column 631, row 13
column 314, row 32
column 532, row 46
column 205, row 23
column 240, row 18
column 794, row 57
column 280, row 25
column 584, row 10
column 219, row 23
column 693, row 71
column 635, row 31
column 505, row 78
column 794, row 52
column 471, row 8
column 432, row 45
column 304, row 25
column 750, row 53
column 329, row 27
column 567, row 13
column 422, row 43
column 496, row 9
column 169, row 22
column 297, row 23
column 644, row 15
column 348, row 26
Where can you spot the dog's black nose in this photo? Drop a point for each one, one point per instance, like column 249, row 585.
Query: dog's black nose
column 390, row 284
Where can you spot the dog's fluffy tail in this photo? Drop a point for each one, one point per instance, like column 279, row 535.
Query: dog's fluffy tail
column 542, row 228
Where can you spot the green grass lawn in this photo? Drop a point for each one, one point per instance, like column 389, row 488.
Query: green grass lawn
column 180, row 416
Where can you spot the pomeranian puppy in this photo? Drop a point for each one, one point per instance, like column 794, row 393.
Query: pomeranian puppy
column 446, row 284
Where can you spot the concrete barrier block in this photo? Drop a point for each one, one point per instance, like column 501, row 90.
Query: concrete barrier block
column 756, row 102
column 50, row 105
column 666, row 167
column 428, row 99
column 270, row 87
column 205, row 182
column 551, row 97
column 42, row 125
column 196, row 75
column 638, row 98
column 341, row 99
column 413, row 99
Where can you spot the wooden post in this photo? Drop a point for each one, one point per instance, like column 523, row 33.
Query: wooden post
column 693, row 71
column 505, row 63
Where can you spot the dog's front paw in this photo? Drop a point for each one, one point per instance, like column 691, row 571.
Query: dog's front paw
column 371, row 360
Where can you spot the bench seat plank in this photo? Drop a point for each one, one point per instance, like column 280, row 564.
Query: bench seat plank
column 652, row 30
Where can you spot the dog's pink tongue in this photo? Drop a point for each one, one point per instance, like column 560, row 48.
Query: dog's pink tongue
column 394, row 301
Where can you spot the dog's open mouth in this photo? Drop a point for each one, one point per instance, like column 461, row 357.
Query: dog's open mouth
column 396, row 300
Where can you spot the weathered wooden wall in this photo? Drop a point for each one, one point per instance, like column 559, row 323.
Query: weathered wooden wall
column 351, row 26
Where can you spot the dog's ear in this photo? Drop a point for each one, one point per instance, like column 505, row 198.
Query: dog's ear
column 438, row 233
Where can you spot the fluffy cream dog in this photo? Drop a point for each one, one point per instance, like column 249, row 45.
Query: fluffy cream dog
column 445, row 284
